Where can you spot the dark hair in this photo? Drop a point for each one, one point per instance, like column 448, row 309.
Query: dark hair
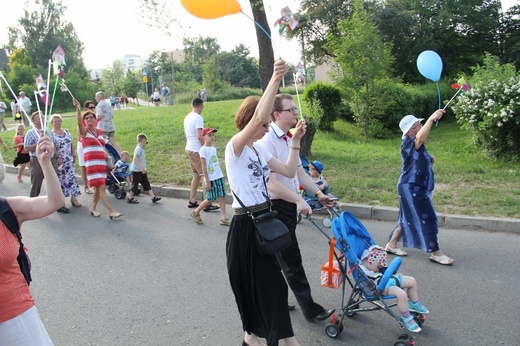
column 197, row 102
column 141, row 137
column 88, row 113
column 245, row 111
column 87, row 103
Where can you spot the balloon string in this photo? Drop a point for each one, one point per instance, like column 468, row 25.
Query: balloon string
column 439, row 97
column 265, row 32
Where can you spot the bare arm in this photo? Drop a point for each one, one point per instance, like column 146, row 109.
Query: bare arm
column 199, row 136
column 423, row 133
column 81, row 127
column 205, row 172
column 27, row 208
column 263, row 110
column 282, row 192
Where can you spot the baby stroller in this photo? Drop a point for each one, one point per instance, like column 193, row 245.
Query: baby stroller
column 352, row 239
column 314, row 203
column 116, row 183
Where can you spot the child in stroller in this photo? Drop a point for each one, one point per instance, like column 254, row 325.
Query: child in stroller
column 375, row 282
column 120, row 169
column 117, row 178
column 314, row 170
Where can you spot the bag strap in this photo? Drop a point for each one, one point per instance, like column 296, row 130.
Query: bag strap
column 101, row 145
column 9, row 219
column 331, row 262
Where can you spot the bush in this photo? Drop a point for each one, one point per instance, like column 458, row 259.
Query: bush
column 324, row 101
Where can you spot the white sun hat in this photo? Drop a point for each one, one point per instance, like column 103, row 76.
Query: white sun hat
column 407, row 122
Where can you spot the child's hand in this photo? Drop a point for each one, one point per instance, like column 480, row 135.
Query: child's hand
column 208, row 185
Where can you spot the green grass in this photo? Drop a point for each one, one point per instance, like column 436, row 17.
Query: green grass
column 467, row 182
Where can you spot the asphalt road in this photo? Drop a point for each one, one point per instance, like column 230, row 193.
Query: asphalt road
column 154, row 277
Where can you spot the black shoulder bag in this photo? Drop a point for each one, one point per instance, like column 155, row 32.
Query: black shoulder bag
column 9, row 219
column 272, row 235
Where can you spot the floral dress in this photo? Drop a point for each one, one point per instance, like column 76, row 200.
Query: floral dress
column 66, row 171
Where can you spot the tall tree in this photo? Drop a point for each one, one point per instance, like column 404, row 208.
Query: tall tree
column 112, row 78
column 198, row 50
column 42, row 30
column 510, row 52
column 365, row 61
column 265, row 47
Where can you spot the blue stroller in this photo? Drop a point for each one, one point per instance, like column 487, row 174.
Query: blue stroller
column 352, row 239
column 115, row 183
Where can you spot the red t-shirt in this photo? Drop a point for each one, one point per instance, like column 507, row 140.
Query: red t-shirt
column 15, row 296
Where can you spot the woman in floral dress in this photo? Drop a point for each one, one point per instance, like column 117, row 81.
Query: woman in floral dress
column 65, row 157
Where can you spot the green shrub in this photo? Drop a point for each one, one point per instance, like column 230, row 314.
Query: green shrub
column 324, row 101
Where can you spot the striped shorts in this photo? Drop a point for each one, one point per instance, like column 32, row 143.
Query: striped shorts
column 218, row 190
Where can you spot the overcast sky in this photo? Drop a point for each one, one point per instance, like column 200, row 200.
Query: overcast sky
column 110, row 29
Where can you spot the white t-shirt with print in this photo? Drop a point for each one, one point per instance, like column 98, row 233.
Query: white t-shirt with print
column 192, row 122
column 212, row 164
column 245, row 174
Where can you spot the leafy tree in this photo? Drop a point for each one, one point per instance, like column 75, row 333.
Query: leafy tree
column 364, row 59
column 132, row 84
column 112, row 78
column 200, row 49
column 42, row 30
column 237, row 68
column 510, row 37
column 211, row 75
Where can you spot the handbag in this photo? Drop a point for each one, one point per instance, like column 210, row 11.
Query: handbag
column 272, row 235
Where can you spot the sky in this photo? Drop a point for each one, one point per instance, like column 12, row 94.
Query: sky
column 110, row 29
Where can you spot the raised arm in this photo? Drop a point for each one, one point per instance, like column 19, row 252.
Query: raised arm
column 423, row 133
column 81, row 127
column 263, row 110
column 27, row 208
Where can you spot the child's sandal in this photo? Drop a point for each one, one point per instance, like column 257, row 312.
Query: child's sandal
column 132, row 201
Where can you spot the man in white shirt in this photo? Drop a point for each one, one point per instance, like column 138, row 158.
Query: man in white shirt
column 193, row 125
column 288, row 202
column 24, row 107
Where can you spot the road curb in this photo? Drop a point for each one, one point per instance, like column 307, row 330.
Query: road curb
column 365, row 211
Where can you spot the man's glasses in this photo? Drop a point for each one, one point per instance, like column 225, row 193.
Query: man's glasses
column 292, row 110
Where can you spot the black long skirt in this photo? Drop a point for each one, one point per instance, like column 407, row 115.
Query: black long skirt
column 258, row 284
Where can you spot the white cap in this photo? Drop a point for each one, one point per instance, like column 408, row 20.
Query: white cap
column 407, row 122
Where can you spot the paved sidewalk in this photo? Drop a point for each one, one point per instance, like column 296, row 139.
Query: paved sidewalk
column 369, row 212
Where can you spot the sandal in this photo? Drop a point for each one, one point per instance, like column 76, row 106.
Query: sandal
column 87, row 190
column 395, row 251
column 225, row 222
column 196, row 217
column 155, row 199
column 193, row 204
column 211, row 208
column 75, row 203
column 410, row 324
column 442, row 259
column 132, row 201
column 20, row 180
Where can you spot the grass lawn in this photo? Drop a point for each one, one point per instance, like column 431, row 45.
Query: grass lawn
column 467, row 182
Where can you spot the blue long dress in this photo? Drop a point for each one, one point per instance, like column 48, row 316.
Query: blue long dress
column 417, row 217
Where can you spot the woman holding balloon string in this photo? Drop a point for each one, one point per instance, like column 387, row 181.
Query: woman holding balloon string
column 417, row 224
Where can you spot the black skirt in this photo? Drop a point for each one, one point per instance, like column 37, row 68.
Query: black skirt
column 21, row 158
column 258, row 284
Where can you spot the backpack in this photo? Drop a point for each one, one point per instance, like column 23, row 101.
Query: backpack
column 9, row 219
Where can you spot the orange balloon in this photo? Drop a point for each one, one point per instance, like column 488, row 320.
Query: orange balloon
column 211, row 9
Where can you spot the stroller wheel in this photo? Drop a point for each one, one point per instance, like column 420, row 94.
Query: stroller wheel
column 327, row 222
column 332, row 330
column 112, row 188
column 119, row 194
column 419, row 318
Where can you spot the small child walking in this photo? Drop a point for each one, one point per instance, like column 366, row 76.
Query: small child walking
column 120, row 169
column 139, row 173
column 214, row 185
column 404, row 288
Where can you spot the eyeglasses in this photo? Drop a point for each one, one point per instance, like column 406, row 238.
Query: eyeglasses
column 91, row 107
column 292, row 110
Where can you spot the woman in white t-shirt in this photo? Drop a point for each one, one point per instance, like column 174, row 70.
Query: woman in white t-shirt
column 257, row 282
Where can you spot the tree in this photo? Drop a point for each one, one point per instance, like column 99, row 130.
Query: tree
column 265, row 47
column 364, row 59
column 200, row 49
column 237, row 68
column 510, row 38
column 132, row 84
column 112, row 78
column 42, row 30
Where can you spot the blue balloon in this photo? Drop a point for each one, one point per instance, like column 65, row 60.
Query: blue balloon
column 429, row 64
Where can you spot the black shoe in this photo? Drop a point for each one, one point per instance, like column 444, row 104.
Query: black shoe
column 211, row 207
column 63, row 210
column 291, row 307
column 193, row 204
column 322, row 315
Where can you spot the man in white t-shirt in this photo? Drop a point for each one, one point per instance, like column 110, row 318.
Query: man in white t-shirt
column 193, row 125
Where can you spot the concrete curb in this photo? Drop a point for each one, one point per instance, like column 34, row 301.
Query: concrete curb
column 368, row 212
